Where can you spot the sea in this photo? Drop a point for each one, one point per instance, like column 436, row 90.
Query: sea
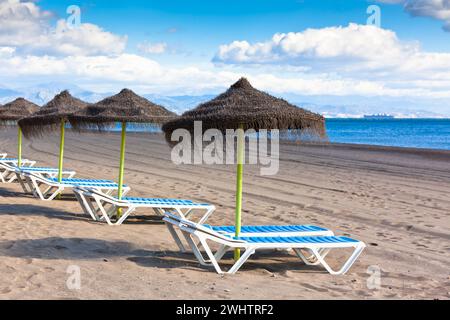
column 411, row 133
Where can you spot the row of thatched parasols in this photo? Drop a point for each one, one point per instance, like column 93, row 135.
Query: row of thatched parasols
column 240, row 107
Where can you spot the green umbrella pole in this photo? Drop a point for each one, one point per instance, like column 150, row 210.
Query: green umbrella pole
column 61, row 150
column 19, row 147
column 240, row 170
column 122, row 165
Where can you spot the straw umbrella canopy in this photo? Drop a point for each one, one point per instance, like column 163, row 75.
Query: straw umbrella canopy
column 124, row 107
column 51, row 117
column 11, row 112
column 244, row 107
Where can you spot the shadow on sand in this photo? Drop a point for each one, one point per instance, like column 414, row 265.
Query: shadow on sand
column 55, row 213
column 33, row 210
column 95, row 249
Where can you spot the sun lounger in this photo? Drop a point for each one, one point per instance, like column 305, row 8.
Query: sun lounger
column 48, row 188
column 260, row 231
column 43, row 172
column 273, row 231
column 3, row 155
column 8, row 168
column 101, row 206
column 317, row 247
column 104, row 207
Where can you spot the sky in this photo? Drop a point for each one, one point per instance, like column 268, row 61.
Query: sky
column 348, row 50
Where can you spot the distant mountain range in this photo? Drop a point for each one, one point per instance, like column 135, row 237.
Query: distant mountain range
column 359, row 111
column 42, row 93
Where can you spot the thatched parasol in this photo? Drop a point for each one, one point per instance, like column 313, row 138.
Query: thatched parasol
column 244, row 107
column 124, row 107
column 51, row 117
column 11, row 112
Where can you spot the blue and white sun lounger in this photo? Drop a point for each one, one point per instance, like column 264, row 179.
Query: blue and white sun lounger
column 43, row 172
column 104, row 207
column 48, row 188
column 273, row 231
column 317, row 247
column 8, row 168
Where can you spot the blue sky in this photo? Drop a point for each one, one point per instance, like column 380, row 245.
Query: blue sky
column 200, row 47
column 201, row 26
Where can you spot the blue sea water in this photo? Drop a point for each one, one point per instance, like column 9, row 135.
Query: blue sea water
column 414, row 133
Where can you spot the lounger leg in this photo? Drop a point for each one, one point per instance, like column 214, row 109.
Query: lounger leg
column 211, row 256
column 188, row 213
column 312, row 259
column 85, row 205
column 241, row 261
column 192, row 243
column 22, row 183
column 102, row 210
column 206, row 215
column 36, row 190
column 30, row 184
column 13, row 177
column 248, row 252
column 125, row 192
column 5, row 175
column 175, row 237
column 2, row 178
column 180, row 213
column 221, row 252
column 357, row 251
column 125, row 215
column 196, row 251
column 58, row 190
column 111, row 211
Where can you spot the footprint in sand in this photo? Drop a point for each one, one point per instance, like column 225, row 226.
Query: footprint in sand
column 5, row 291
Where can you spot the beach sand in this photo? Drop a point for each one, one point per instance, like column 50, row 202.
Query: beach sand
column 395, row 200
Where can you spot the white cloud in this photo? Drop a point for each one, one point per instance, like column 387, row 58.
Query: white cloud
column 436, row 9
column 152, row 48
column 110, row 73
column 119, row 70
column 7, row 52
column 354, row 43
column 359, row 51
column 26, row 27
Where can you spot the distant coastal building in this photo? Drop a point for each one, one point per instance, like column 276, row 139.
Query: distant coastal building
column 378, row 116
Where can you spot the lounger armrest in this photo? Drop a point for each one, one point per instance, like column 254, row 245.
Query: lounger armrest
column 192, row 227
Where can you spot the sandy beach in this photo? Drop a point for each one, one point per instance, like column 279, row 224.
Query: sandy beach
column 395, row 200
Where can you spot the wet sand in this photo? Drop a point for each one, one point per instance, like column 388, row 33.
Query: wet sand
column 395, row 200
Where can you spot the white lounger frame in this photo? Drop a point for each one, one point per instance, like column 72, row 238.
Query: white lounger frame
column 101, row 206
column 8, row 169
column 28, row 188
column 52, row 189
column 317, row 251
